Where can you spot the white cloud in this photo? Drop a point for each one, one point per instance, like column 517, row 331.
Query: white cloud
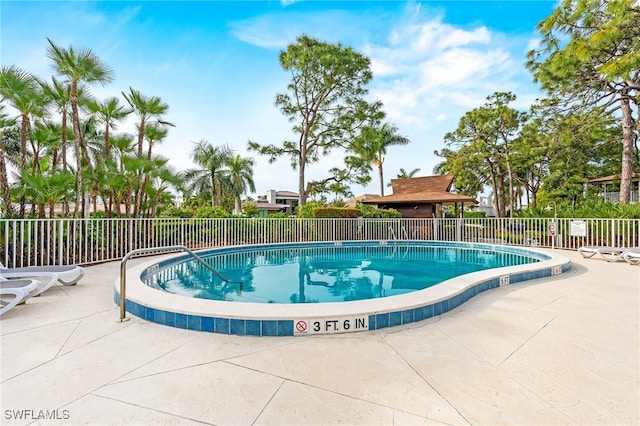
column 459, row 67
column 533, row 44
column 429, row 64
column 262, row 32
column 434, row 35
column 127, row 15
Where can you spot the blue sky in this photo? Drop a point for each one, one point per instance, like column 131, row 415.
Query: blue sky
column 216, row 64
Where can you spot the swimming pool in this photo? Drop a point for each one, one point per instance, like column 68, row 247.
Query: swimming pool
column 325, row 274
column 276, row 319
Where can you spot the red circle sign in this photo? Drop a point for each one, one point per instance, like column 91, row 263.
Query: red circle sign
column 301, row 326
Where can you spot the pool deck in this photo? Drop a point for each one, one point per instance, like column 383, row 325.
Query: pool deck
column 559, row 350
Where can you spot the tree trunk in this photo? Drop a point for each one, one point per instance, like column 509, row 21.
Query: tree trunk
column 302, row 190
column 626, row 174
column 155, row 203
column 77, row 134
column 127, row 202
column 116, row 204
column 494, row 185
column 501, row 198
column 380, row 175
column 139, row 189
column 107, row 142
column 41, row 211
column 502, row 201
column 214, row 199
column 4, row 183
column 24, row 130
column 63, row 155
column 511, row 189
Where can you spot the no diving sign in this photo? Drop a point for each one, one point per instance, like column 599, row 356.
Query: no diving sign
column 303, row 327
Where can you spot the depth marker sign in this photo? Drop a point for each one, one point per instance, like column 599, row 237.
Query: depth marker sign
column 330, row 325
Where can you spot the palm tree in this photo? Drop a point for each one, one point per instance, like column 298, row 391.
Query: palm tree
column 403, row 174
column 45, row 140
column 81, row 66
column 46, row 188
column 119, row 173
column 163, row 177
column 149, row 110
column 240, row 179
column 108, row 113
column 154, row 133
column 374, row 143
column 21, row 90
column 59, row 94
column 209, row 178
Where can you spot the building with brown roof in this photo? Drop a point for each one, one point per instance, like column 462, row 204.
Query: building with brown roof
column 421, row 197
column 614, row 181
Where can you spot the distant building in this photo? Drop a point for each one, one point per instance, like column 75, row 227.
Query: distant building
column 277, row 202
column 421, row 196
column 486, row 205
column 614, row 181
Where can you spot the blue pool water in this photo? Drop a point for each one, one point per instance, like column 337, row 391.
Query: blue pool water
column 326, row 274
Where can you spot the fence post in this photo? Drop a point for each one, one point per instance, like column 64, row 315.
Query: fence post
column 613, row 234
column 60, row 241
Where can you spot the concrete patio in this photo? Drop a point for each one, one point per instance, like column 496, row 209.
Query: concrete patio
column 560, row 350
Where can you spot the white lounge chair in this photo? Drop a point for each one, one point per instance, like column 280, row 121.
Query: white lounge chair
column 632, row 256
column 606, row 252
column 64, row 274
column 21, row 290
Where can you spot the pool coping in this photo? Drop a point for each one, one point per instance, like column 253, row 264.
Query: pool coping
column 263, row 319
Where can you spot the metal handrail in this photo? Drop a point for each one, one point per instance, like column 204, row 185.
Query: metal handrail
column 123, row 269
column 393, row 234
column 404, row 230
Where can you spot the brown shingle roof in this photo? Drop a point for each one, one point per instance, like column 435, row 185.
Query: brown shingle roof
column 613, row 178
column 426, row 189
column 422, row 197
column 420, row 184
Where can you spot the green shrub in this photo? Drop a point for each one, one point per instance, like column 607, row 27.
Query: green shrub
column 250, row 210
column 278, row 215
column 474, row 214
column 367, row 210
column 306, row 211
column 592, row 207
column 208, row 211
column 335, row 212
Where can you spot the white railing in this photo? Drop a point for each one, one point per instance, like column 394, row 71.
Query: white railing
column 615, row 196
column 27, row 242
